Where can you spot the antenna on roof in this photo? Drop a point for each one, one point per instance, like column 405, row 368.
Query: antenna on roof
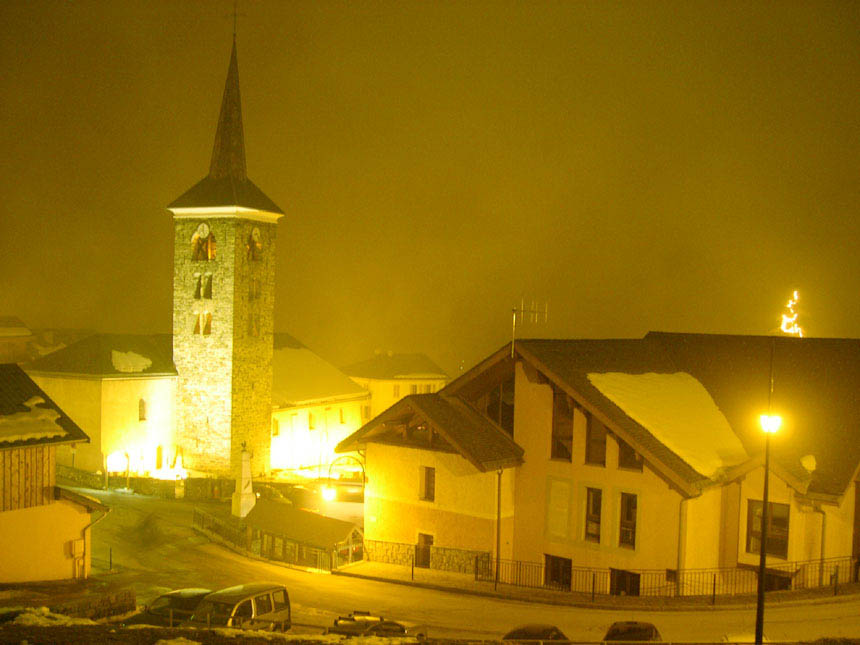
column 534, row 313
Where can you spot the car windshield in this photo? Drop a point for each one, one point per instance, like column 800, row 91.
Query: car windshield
column 218, row 613
column 184, row 603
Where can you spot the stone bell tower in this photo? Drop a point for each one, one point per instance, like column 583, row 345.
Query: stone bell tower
column 223, row 303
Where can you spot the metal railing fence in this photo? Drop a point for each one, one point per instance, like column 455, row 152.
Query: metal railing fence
column 729, row 581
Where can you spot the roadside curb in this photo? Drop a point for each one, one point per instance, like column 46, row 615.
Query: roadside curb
column 571, row 602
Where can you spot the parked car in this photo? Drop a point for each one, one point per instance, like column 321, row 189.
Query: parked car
column 363, row 623
column 170, row 608
column 265, row 491
column 632, row 630
column 535, row 632
column 261, row 605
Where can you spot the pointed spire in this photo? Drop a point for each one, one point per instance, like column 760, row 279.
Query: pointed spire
column 228, row 154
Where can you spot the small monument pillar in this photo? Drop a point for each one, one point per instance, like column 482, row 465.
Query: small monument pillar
column 243, row 497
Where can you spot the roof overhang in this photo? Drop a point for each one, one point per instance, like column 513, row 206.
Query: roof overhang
column 90, row 503
column 225, row 212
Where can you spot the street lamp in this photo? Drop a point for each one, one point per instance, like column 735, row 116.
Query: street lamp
column 770, row 424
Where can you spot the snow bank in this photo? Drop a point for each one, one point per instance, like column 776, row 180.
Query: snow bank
column 129, row 362
column 36, row 423
column 176, row 641
column 231, row 632
column 679, row 412
column 42, row 617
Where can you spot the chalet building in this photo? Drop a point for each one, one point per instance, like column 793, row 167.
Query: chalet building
column 389, row 377
column 626, row 456
column 45, row 529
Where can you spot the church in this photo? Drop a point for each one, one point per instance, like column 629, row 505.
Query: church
column 169, row 405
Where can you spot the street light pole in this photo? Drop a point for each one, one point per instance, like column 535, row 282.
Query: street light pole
column 762, row 558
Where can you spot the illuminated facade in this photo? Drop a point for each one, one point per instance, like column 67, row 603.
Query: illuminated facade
column 627, row 455
column 223, row 303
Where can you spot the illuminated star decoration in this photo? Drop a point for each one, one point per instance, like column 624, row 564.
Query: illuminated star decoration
column 789, row 321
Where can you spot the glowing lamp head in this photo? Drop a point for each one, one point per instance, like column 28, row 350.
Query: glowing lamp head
column 329, row 493
column 770, row 423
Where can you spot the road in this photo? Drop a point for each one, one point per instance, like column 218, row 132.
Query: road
column 155, row 549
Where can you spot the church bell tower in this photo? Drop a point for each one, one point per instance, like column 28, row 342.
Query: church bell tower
column 223, row 303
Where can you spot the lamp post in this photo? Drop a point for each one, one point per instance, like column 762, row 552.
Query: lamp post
column 770, row 424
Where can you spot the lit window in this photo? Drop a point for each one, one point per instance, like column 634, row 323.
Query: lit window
column 427, row 488
column 595, row 441
column 141, row 410
column 627, row 535
column 203, row 244
column 777, row 528
column 203, row 324
column 562, row 427
column 592, row 514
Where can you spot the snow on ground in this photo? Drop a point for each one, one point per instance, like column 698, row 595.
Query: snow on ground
column 42, row 617
column 176, row 641
column 36, row 423
column 679, row 412
column 129, row 362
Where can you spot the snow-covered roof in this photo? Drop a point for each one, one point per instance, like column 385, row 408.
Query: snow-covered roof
column 28, row 416
column 111, row 355
column 12, row 326
column 299, row 376
column 679, row 412
column 388, row 365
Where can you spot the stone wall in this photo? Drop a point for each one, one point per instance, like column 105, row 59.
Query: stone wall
column 100, row 605
column 225, row 378
column 390, row 552
column 456, row 559
column 441, row 558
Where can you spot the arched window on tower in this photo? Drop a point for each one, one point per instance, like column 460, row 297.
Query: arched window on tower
column 203, row 244
column 254, row 245
column 203, row 324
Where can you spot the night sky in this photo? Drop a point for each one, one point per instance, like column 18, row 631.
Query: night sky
column 674, row 166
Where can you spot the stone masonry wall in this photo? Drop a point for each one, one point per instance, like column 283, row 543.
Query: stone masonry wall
column 204, row 362
column 253, row 311
column 441, row 558
column 390, row 552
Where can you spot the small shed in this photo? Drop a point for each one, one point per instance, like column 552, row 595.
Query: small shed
column 295, row 536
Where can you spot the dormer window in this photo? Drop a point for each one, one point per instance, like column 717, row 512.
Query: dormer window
column 203, row 244
column 254, row 245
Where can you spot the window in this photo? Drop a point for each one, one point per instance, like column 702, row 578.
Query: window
column 562, row 426
column 340, row 414
column 141, row 410
column 627, row 535
column 280, row 598
column 777, row 528
column 593, row 503
column 242, row 613
column 595, row 441
column 627, row 457
column 413, row 389
column 207, row 286
column 557, row 572
column 428, row 389
column 365, row 411
column 396, row 391
column 427, row 490
column 500, row 405
column 254, row 246
column 198, row 282
column 159, row 457
column 262, row 604
column 276, row 428
column 203, row 324
column 203, row 244
column 311, row 421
